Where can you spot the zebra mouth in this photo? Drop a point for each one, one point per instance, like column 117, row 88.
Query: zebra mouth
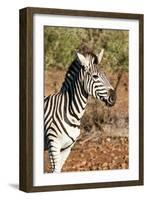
column 103, row 99
column 108, row 101
column 111, row 101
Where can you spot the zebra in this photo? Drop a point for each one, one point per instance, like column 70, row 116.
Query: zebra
column 64, row 110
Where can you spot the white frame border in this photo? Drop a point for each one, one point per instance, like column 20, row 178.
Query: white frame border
column 39, row 177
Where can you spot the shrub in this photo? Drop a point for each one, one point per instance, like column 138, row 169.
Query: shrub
column 60, row 43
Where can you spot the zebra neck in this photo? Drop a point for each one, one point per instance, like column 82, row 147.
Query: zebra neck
column 77, row 99
column 73, row 89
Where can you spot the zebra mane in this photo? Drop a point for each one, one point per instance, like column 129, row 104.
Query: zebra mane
column 74, row 70
column 71, row 75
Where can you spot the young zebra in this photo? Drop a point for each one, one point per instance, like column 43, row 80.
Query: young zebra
column 64, row 110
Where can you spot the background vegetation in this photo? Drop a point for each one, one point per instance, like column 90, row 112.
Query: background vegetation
column 103, row 142
column 60, row 43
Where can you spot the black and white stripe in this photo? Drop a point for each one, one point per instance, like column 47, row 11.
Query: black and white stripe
column 64, row 110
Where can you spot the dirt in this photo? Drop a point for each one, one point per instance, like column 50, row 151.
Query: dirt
column 103, row 143
column 101, row 153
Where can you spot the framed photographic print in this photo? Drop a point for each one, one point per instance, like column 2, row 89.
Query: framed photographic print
column 81, row 99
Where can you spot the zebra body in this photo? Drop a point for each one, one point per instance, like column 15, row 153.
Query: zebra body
column 64, row 110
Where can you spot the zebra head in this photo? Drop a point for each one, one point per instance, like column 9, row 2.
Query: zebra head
column 95, row 82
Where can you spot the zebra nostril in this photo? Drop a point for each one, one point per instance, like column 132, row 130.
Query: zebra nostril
column 112, row 95
column 111, row 92
column 112, row 99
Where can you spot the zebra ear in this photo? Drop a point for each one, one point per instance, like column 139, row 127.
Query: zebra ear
column 100, row 56
column 82, row 59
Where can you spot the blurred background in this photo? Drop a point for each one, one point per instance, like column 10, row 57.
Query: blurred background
column 60, row 43
column 103, row 143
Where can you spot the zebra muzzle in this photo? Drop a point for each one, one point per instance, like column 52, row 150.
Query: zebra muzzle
column 112, row 98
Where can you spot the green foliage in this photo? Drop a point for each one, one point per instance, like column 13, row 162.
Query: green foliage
column 60, row 43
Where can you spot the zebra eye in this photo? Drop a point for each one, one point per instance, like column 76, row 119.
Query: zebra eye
column 95, row 76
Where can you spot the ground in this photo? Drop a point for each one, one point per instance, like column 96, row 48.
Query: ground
column 103, row 143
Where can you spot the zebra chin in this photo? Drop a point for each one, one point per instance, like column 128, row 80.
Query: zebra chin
column 109, row 104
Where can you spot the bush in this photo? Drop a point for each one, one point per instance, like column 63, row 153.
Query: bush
column 60, row 43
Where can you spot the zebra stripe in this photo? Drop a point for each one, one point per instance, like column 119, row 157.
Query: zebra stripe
column 64, row 110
